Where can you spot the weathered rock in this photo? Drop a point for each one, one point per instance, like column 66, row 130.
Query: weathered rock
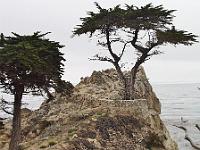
column 143, row 89
column 106, row 85
column 96, row 117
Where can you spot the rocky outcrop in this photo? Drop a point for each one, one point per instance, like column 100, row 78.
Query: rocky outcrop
column 96, row 117
column 106, row 85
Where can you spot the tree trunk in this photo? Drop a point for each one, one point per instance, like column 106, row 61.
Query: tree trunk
column 134, row 71
column 133, row 79
column 49, row 95
column 16, row 125
column 124, row 81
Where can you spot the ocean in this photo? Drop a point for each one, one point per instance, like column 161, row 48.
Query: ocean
column 29, row 101
column 177, row 100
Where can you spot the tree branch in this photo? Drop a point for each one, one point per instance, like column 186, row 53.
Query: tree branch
column 135, row 38
column 149, row 35
column 152, row 45
column 116, row 40
column 103, row 44
column 140, row 48
column 100, row 58
column 4, row 108
column 5, row 102
column 156, row 52
column 123, row 49
column 136, row 46
column 6, row 111
column 115, row 57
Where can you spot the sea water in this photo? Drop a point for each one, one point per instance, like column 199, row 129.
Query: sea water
column 177, row 100
column 28, row 101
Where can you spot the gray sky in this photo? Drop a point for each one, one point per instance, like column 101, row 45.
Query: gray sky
column 178, row 64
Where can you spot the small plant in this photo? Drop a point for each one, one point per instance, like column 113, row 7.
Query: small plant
column 43, row 146
column 52, row 143
column 72, row 131
column 99, row 113
column 21, row 147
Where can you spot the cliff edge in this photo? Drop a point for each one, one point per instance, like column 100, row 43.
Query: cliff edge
column 95, row 117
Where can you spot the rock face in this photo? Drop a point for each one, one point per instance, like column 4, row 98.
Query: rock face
column 96, row 117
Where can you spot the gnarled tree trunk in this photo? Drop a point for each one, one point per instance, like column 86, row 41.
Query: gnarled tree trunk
column 16, row 125
column 133, row 79
column 124, row 81
column 134, row 71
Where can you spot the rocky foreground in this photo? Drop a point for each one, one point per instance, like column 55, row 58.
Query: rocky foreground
column 186, row 132
column 93, row 117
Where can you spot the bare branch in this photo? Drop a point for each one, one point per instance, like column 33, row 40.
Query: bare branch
column 146, row 59
column 156, row 52
column 123, row 49
column 3, row 106
column 140, row 48
column 6, row 111
column 136, row 46
column 152, row 45
column 116, row 40
column 127, row 31
column 115, row 57
column 103, row 44
column 149, row 35
column 100, row 58
column 6, row 102
column 135, row 38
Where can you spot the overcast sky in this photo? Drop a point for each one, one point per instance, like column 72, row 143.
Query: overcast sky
column 178, row 64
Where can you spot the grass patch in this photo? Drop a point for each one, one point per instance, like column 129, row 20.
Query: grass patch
column 72, row 131
column 52, row 143
column 43, row 146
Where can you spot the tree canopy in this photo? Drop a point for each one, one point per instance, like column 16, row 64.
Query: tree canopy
column 147, row 18
column 28, row 63
column 145, row 28
column 30, row 60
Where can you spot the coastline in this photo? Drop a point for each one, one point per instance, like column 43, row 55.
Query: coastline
column 178, row 135
column 170, row 115
column 180, row 101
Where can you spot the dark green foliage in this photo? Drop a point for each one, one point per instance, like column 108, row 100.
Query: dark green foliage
column 30, row 60
column 64, row 87
column 154, row 19
column 175, row 37
column 145, row 28
column 146, row 17
column 100, row 20
column 28, row 63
